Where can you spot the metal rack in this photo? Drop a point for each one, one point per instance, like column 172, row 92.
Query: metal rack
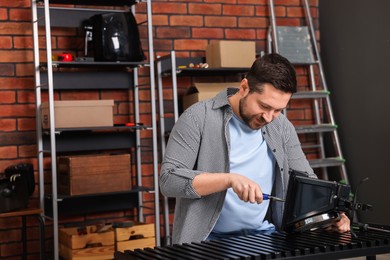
column 47, row 16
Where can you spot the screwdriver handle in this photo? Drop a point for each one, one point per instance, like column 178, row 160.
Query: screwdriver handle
column 265, row 196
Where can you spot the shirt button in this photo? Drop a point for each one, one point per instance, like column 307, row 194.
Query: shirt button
column 274, row 150
column 281, row 169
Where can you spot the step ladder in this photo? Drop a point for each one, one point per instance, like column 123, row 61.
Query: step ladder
column 319, row 138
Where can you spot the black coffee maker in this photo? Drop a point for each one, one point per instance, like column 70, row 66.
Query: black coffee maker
column 16, row 186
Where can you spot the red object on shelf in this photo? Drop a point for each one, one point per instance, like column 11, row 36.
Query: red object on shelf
column 65, row 57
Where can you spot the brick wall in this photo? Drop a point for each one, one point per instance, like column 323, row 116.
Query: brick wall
column 184, row 26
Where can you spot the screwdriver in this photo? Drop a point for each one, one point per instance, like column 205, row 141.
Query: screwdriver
column 269, row 197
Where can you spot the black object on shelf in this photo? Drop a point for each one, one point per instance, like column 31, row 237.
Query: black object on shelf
column 94, row 203
column 80, row 141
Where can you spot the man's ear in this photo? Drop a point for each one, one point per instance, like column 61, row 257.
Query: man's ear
column 244, row 87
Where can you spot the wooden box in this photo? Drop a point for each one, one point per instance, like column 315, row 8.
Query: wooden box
column 88, row 245
column 137, row 236
column 90, row 174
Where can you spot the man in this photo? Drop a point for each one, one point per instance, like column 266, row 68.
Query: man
column 225, row 152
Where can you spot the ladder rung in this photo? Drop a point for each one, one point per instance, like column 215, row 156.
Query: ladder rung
column 310, row 146
column 326, row 162
column 311, row 94
column 304, row 129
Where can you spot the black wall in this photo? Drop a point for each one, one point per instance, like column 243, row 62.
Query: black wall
column 355, row 48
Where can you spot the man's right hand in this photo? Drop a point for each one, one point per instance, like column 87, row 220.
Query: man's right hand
column 246, row 189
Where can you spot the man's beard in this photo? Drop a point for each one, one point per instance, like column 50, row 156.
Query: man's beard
column 248, row 118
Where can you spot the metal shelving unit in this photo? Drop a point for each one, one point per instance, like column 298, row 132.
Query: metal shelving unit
column 49, row 77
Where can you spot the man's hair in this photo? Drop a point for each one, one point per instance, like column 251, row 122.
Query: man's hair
column 273, row 69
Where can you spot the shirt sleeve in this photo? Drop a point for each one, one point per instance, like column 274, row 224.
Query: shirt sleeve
column 177, row 168
column 296, row 158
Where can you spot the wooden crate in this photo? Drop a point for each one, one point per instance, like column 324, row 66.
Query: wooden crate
column 137, row 236
column 90, row 174
column 88, row 246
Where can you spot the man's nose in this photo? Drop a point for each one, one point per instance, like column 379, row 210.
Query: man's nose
column 268, row 116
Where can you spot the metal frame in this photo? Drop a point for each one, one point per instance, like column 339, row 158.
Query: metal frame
column 50, row 88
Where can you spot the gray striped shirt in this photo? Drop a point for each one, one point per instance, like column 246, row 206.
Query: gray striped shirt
column 200, row 142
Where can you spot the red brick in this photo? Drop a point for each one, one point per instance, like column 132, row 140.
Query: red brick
column 3, row 14
column 172, row 32
column 16, row 83
column 26, row 96
column 217, row 21
column 289, row 22
column 26, row 124
column 208, row 33
column 60, row 31
column 261, row 34
column 16, row 56
column 169, row 8
column 280, row 11
column 7, row 70
column 287, row 2
column 10, row 235
column 118, row 95
column 23, row 42
column 20, row 15
column 238, row 10
column 5, row 42
column 7, row 124
column 221, row 1
column 79, row 95
column 295, row 12
column 11, row 28
column 24, row 69
column 242, row 34
column 178, row 20
column 250, row 22
column 160, row 20
column 211, row 9
column 15, row 3
column 257, row 2
column 7, row 97
column 17, row 110
column 8, row 152
column 69, row 43
column 26, row 151
column 190, row 44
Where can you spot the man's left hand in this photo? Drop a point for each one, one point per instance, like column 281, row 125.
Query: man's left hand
column 343, row 224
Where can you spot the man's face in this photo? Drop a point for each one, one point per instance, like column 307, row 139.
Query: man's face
column 259, row 109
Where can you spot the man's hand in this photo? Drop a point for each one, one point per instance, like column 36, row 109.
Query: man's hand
column 343, row 224
column 246, row 189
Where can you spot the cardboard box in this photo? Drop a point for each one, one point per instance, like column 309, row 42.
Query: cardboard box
column 202, row 91
column 74, row 245
column 138, row 236
column 231, row 54
column 79, row 113
column 91, row 174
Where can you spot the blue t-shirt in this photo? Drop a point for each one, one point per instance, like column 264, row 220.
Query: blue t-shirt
column 251, row 157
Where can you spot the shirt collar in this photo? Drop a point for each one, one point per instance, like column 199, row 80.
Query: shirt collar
column 221, row 99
